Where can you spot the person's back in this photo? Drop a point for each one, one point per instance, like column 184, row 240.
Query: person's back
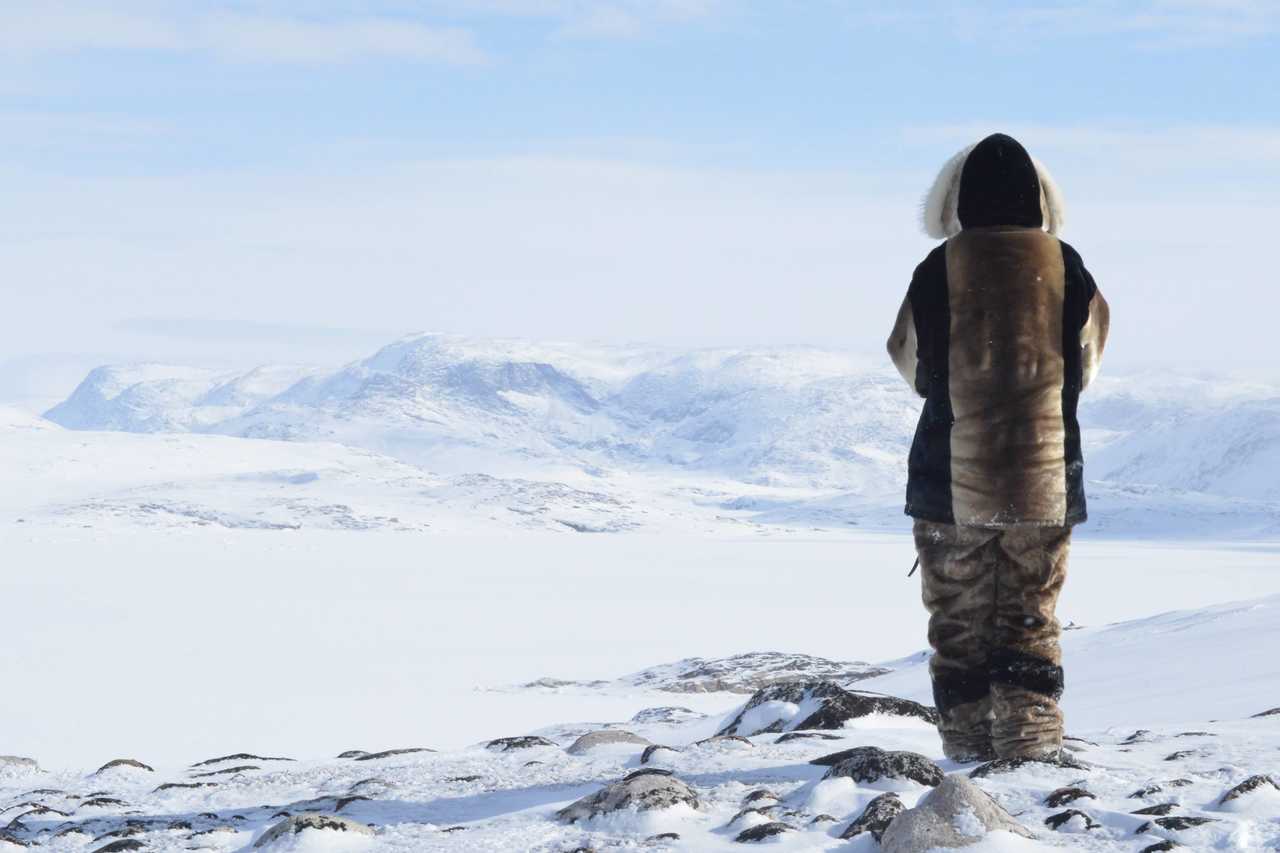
column 1001, row 329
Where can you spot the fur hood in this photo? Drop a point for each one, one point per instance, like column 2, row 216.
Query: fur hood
column 940, row 216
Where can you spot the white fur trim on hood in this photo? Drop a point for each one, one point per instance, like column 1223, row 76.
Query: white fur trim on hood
column 939, row 212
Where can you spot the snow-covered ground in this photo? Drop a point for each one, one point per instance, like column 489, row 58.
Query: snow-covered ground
column 182, row 645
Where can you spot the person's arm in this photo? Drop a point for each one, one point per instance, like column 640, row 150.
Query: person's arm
column 1093, row 336
column 904, row 347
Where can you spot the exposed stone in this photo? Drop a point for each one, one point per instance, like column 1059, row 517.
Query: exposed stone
column 1253, row 783
column 1071, row 819
column 643, row 790
column 387, row 753
column 835, row 706
column 1181, row 754
column 1161, row 847
column 121, row 845
column 762, row 831
column 604, row 737
column 1159, row 810
column 748, row 672
column 870, row 763
column 1059, row 798
column 245, row 756
column 102, row 802
column 1271, row 713
column 352, row 753
column 1175, row 823
column 167, row 786
column 650, row 750
column 666, row 714
column 723, row 739
column 663, row 836
column 240, row 768
column 317, row 822
column 506, row 744
column 938, row 819
column 1008, row 765
column 876, row 817
column 343, row 802
column 1140, row 736
column 463, row 779
column 124, row 762
column 123, row 832
column 790, row 736
column 760, row 794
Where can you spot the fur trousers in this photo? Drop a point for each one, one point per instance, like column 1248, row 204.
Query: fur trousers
column 997, row 665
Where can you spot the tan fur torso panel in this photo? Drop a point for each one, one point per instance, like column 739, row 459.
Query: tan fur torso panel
column 1006, row 290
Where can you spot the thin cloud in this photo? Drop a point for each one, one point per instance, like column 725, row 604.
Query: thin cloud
column 61, row 27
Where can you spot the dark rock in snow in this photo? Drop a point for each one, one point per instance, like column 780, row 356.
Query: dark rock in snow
column 122, row 832
column 666, row 714
column 760, row 794
column 168, row 786
column 352, row 753
column 1159, row 810
column 1253, row 783
column 1161, row 847
column 241, row 768
column 650, row 750
column 1059, row 798
column 121, row 845
column 643, row 790
column 506, row 744
column 876, row 817
column 870, row 763
column 762, row 831
column 604, row 737
column 102, row 802
column 1181, row 754
column 663, row 836
column 463, row 779
column 1069, row 817
column 1175, row 823
column 835, row 706
column 124, row 762
column 1272, row 713
column 1008, row 765
column 245, row 756
column 824, row 818
column 1146, row 791
column 346, row 801
column 746, row 673
column 1140, row 736
column 790, row 736
column 387, row 753
column 319, row 822
column 763, row 811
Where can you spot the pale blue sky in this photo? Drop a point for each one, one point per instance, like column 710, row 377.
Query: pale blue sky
column 192, row 181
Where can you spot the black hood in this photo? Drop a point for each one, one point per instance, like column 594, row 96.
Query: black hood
column 999, row 186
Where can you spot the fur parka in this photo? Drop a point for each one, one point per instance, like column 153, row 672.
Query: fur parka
column 1001, row 329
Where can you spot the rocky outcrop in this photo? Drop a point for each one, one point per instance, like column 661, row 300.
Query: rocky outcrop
column 507, row 744
column 1248, row 786
column 291, row 826
column 876, row 817
column 604, row 737
column 870, row 764
column 643, row 790
column 815, row 705
column 761, row 831
column 955, row 814
column 124, row 763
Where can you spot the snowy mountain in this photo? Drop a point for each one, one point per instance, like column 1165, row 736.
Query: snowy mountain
column 797, row 435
